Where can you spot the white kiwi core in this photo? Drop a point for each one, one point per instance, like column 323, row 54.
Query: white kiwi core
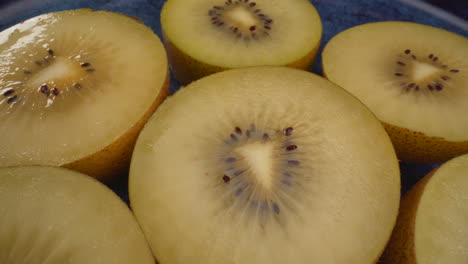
column 259, row 159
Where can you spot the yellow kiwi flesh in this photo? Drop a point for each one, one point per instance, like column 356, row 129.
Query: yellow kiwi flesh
column 413, row 77
column 264, row 165
column 203, row 37
column 55, row 216
column 432, row 223
column 76, row 87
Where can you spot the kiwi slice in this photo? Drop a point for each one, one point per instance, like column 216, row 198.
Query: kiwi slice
column 413, row 77
column 76, row 88
column 204, row 37
column 264, row 165
column 54, row 215
column 432, row 225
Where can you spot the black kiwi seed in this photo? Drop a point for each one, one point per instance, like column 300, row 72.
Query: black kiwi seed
column 291, row 147
column 230, row 159
column 233, row 137
column 454, row 70
column 401, row 63
column 76, row 85
column 252, row 28
column 8, row 92
column 51, row 52
column 265, row 137
column 44, row 89
column 439, row 87
column 294, row 162
column 431, row 56
column 398, row 74
column 445, row 78
column 27, row 72
column 38, row 63
column 435, row 58
column 411, row 85
column 55, row 91
column 430, row 87
column 276, row 208
column 288, row 131
column 226, row 179
column 407, row 51
column 12, row 99
column 85, row 64
column 238, row 130
column 252, row 4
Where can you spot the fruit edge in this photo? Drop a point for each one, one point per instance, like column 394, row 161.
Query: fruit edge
column 413, row 146
column 401, row 246
column 187, row 69
column 113, row 160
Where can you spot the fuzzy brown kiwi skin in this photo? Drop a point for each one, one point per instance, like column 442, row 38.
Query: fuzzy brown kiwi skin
column 412, row 146
column 187, row 69
column 401, row 248
column 113, row 161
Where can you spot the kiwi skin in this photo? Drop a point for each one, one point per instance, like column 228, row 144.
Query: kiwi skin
column 113, row 161
column 401, row 246
column 187, row 69
column 413, row 146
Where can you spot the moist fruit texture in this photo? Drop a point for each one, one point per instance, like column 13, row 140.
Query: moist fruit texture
column 431, row 226
column 203, row 37
column 54, row 215
column 413, row 77
column 264, row 165
column 76, row 88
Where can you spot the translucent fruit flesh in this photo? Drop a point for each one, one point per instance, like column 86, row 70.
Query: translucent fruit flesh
column 72, row 86
column 413, row 77
column 264, row 165
column 55, row 216
column 209, row 36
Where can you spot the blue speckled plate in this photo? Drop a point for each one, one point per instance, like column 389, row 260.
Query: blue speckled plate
column 337, row 15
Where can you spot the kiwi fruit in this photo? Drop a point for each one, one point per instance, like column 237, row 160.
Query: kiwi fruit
column 264, row 165
column 54, row 215
column 76, row 88
column 431, row 226
column 413, row 77
column 204, row 37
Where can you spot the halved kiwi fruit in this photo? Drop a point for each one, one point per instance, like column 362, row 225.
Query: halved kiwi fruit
column 76, row 88
column 413, row 77
column 431, row 227
column 264, row 165
column 203, row 37
column 54, row 215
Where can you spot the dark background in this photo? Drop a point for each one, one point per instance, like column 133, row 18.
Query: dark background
column 457, row 7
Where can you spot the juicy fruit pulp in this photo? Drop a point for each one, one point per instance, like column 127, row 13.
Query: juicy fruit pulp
column 55, row 216
column 76, row 88
column 204, row 37
column 264, row 165
column 413, row 77
column 432, row 224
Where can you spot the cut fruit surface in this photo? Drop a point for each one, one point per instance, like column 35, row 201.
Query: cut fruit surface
column 208, row 36
column 432, row 225
column 55, row 216
column 413, row 77
column 76, row 88
column 264, row 165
